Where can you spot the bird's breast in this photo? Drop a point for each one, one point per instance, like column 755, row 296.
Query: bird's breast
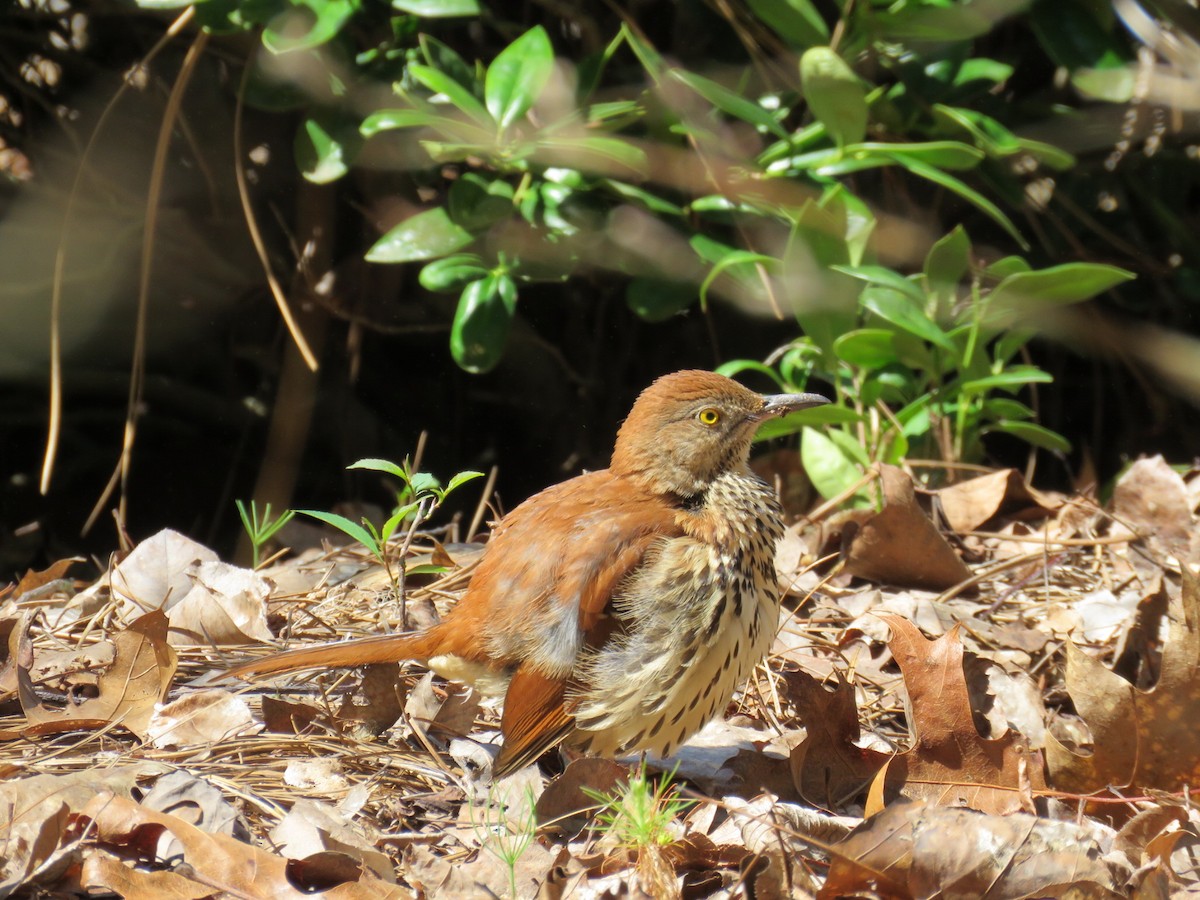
column 700, row 614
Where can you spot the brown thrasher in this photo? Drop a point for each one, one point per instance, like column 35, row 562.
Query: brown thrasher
column 619, row 610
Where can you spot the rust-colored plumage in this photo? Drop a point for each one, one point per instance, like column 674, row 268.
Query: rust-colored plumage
column 619, row 610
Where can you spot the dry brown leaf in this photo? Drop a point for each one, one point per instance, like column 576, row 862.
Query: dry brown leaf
column 17, row 651
column 139, row 677
column 285, row 717
column 1153, row 499
column 34, row 813
column 969, row 504
column 564, row 805
column 906, row 851
column 1146, row 738
column 218, row 863
column 310, row 828
column 35, row 581
column 828, row 766
column 950, row 763
column 900, row 545
column 201, row 718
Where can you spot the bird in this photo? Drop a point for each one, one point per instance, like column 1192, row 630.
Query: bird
column 616, row 611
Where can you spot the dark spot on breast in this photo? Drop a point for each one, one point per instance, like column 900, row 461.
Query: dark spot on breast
column 737, row 600
column 692, row 703
column 636, row 740
column 658, row 724
column 678, row 715
column 728, row 660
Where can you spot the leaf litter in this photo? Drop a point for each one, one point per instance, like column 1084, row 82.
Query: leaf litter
column 981, row 691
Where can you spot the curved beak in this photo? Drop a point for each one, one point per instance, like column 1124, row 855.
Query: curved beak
column 781, row 404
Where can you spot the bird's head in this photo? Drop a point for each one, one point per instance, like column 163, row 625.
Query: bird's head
column 688, row 428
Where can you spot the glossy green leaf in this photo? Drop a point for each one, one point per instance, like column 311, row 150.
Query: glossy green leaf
column 901, row 310
column 1012, row 378
column 341, row 523
column 1008, row 265
column 306, row 24
column 642, row 197
column 989, row 134
column 1006, row 408
column 656, row 300
column 1111, row 85
column 796, row 21
column 376, row 464
column 426, row 235
column 459, row 96
column 475, row 202
column 795, row 423
column 516, row 77
column 444, row 58
column 388, row 119
column 594, row 154
column 730, row 103
column 835, row 94
column 937, row 176
column 462, row 478
column 868, row 348
column 1010, row 342
column 482, row 322
column 943, row 154
column 1047, row 154
column 885, row 277
column 948, row 260
column 736, row 367
column 1067, row 283
column 954, row 22
column 436, row 9
column 452, row 273
column 831, row 471
column 1033, row 434
column 324, row 149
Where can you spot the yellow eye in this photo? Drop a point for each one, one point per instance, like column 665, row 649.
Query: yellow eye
column 709, row 416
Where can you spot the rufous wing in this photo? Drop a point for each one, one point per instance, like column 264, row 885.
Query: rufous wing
column 535, row 719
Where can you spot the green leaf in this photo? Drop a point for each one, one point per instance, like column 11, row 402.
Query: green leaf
column 868, row 348
column 938, row 22
column 352, row 529
column 381, row 465
column 831, row 471
column 643, row 198
column 1010, row 342
column 452, row 273
column 736, row 367
column 440, row 56
column 516, row 77
column 442, row 83
column 1033, row 434
column 948, row 260
column 1006, row 408
column 796, row 422
column 1012, row 378
column 436, row 9
column 835, row 95
column 426, row 235
column 899, row 309
column 1067, row 283
column 594, row 154
column 325, row 148
column 729, row 102
column 937, row 176
column 796, row 21
column 462, row 478
column 306, row 24
column 482, row 322
column 943, row 154
column 396, row 519
column 388, row 119
column 657, row 300
column 987, row 132
column 1009, row 265
column 885, row 277
column 476, row 203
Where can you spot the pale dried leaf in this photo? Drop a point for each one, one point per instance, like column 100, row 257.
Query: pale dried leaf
column 201, row 718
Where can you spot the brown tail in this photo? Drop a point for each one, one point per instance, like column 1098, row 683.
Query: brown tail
column 344, row 654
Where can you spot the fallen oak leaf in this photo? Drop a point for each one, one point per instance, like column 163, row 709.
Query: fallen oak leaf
column 138, row 679
column 950, row 763
column 123, row 828
column 969, row 504
column 904, row 852
column 829, row 766
column 1148, row 738
column 900, row 545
